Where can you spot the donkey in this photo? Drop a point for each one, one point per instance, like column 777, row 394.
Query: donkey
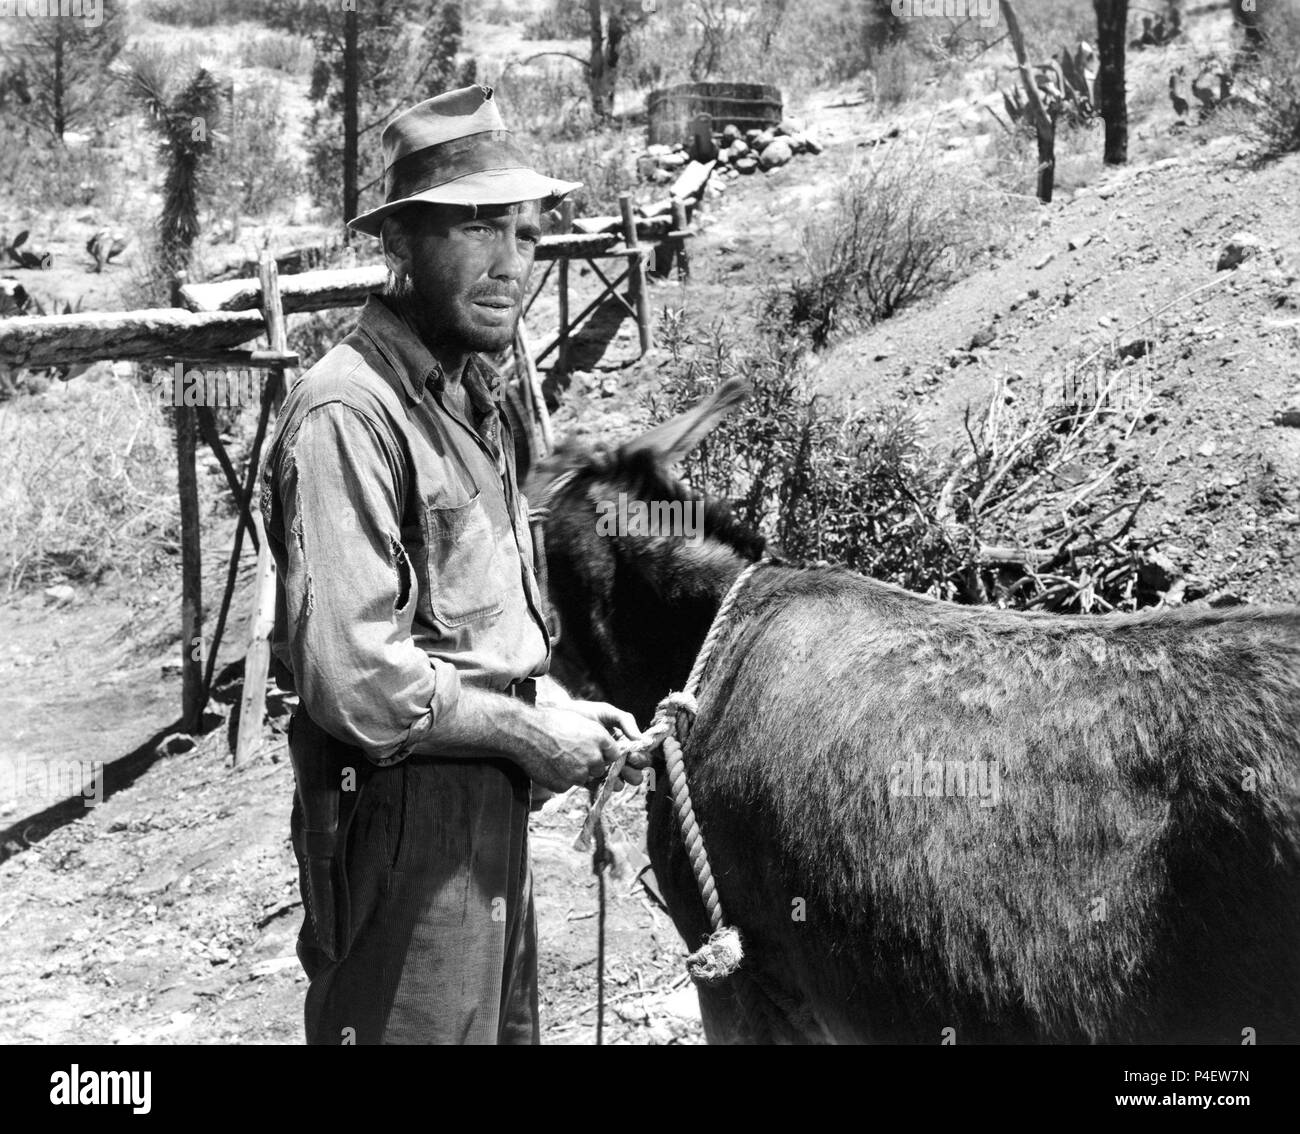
column 931, row 821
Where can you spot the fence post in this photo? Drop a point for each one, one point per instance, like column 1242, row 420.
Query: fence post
column 636, row 272
column 187, row 485
column 257, row 661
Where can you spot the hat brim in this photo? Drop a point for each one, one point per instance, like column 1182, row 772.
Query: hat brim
column 490, row 187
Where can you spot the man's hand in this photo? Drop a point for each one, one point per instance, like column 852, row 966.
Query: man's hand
column 565, row 749
column 558, row 746
column 615, row 719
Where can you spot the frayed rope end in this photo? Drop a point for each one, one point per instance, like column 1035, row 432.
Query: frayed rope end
column 717, row 958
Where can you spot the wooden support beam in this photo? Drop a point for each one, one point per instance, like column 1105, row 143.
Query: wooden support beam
column 187, row 484
column 270, row 396
column 636, row 269
column 126, row 336
column 566, row 227
column 257, row 661
column 208, row 431
column 678, row 241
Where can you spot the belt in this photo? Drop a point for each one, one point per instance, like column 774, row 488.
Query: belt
column 525, row 689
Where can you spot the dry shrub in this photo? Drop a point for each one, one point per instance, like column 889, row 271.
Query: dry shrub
column 89, row 484
column 900, row 227
column 1023, row 512
column 1274, row 82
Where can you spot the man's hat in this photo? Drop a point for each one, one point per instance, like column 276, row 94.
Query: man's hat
column 455, row 150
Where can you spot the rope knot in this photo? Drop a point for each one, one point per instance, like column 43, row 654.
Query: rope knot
column 717, row 958
column 679, row 702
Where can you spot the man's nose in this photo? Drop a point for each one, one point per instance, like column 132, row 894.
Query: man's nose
column 509, row 263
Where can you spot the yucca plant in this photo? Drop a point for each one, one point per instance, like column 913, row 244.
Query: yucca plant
column 184, row 123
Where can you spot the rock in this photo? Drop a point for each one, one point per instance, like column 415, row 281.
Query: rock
column 1158, row 572
column 646, row 165
column 789, row 127
column 673, row 160
column 59, row 595
column 750, row 135
column 982, row 338
column 738, row 148
column 1080, row 240
column 797, row 143
column 1207, row 450
column 1241, row 247
column 731, row 133
column 684, row 1004
column 1136, row 348
column 173, row 744
column 811, row 143
column 763, row 140
column 658, row 150
column 1043, row 261
column 1226, row 597
column 745, row 164
column 776, row 152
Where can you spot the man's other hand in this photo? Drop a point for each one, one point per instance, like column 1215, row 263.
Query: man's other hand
column 617, row 721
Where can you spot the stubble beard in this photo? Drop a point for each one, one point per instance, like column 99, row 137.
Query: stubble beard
column 440, row 325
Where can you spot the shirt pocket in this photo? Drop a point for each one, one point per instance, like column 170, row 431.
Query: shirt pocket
column 464, row 563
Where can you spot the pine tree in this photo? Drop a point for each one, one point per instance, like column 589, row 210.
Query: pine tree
column 64, row 64
column 367, row 71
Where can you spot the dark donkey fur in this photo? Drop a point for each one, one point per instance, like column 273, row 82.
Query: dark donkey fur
column 1138, row 879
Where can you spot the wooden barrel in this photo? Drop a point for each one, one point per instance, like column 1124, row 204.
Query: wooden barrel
column 746, row 105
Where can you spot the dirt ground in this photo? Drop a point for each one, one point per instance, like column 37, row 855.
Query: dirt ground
column 166, row 911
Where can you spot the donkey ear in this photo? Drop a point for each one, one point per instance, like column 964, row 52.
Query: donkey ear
column 672, row 440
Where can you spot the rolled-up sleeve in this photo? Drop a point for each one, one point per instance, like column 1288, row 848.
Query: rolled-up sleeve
column 350, row 589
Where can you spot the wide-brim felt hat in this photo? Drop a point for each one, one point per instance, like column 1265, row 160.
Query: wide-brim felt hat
column 454, row 149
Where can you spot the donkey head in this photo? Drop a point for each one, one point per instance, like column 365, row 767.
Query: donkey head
column 637, row 561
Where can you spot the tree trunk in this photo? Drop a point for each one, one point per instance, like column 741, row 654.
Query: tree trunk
column 351, row 196
column 596, row 65
column 1044, row 124
column 1112, row 21
column 1046, row 133
column 1246, row 17
column 57, row 94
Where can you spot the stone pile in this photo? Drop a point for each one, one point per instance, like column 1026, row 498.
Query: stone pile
column 736, row 151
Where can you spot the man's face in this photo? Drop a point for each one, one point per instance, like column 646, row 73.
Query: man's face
column 467, row 272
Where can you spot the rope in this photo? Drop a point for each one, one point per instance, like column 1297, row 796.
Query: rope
column 722, row 953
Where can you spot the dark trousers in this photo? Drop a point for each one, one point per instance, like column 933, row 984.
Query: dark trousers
column 436, row 940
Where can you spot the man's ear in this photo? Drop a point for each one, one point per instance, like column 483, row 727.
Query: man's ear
column 396, row 244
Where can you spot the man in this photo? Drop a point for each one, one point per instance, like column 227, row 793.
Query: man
column 408, row 613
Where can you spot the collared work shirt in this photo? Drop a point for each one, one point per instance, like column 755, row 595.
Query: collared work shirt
column 401, row 543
